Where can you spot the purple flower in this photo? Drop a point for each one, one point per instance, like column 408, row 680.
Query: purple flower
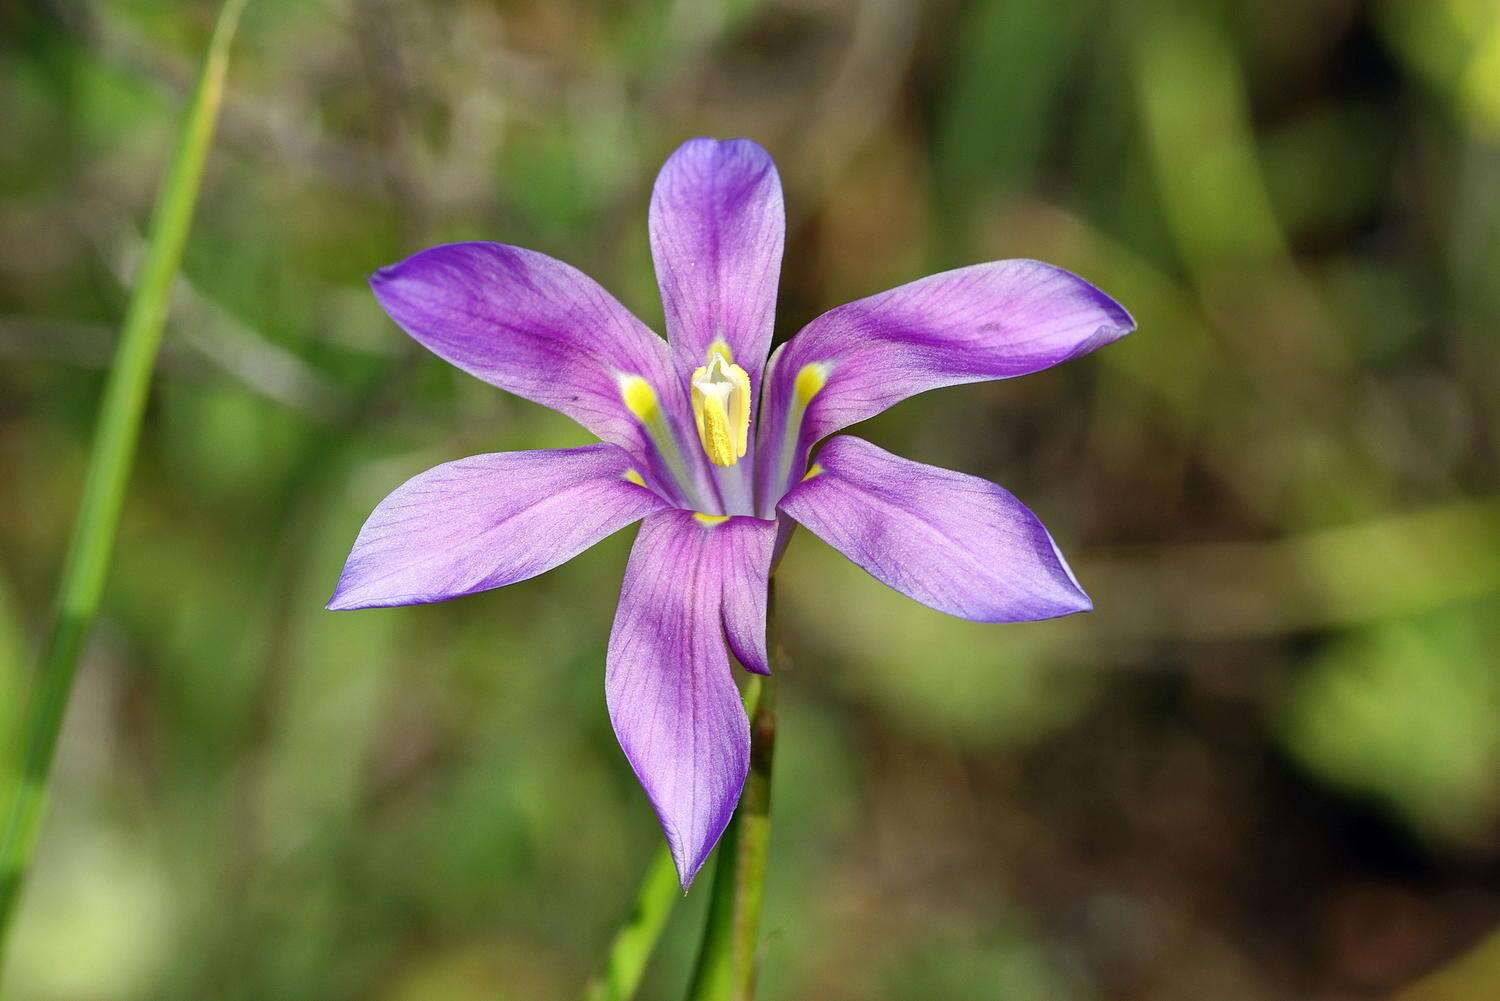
column 709, row 442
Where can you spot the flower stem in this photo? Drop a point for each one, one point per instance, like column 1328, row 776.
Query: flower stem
column 636, row 939
column 115, row 439
column 726, row 961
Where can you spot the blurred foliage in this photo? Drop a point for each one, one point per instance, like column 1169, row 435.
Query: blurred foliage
column 1351, row 716
column 1266, row 767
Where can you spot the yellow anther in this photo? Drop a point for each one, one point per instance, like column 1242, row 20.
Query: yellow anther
column 710, row 520
column 810, row 380
column 640, row 398
column 721, row 407
column 634, row 477
column 814, row 471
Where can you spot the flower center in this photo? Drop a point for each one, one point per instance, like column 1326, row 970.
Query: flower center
column 721, row 406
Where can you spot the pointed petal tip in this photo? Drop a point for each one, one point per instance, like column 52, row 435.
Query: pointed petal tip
column 1040, row 613
column 1105, row 334
column 1111, row 332
column 342, row 601
column 749, row 648
column 339, row 601
column 690, row 856
column 1078, row 600
column 690, row 864
column 394, row 271
column 382, row 279
column 1082, row 603
column 1121, row 322
column 1074, row 601
column 686, row 872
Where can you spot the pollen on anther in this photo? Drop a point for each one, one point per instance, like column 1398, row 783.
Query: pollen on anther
column 710, row 520
column 721, row 407
column 634, row 477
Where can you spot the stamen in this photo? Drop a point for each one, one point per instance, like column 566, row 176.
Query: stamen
column 721, row 406
column 710, row 520
column 634, row 476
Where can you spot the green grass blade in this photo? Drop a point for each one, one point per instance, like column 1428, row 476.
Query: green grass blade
column 117, row 432
column 636, row 940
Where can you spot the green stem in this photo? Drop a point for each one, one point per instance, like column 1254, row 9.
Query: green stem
column 726, row 961
column 637, row 938
column 116, row 434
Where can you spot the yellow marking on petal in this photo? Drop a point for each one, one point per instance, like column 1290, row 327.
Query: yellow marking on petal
column 810, row 381
column 721, row 348
column 710, row 520
column 816, row 470
column 634, row 477
column 721, row 408
column 639, row 397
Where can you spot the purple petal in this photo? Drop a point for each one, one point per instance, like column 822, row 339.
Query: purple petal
column 746, row 545
column 489, row 520
column 535, row 327
column 717, row 229
column 989, row 321
column 671, row 694
column 956, row 543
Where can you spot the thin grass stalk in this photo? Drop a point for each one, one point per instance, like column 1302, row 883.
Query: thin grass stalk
column 117, row 432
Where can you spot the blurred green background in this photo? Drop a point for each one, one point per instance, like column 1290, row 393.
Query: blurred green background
column 1267, row 767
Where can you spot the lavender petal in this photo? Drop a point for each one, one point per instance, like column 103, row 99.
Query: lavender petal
column 487, row 521
column 669, row 685
column 717, row 229
column 536, row 327
column 989, row 321
column 956, row 543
